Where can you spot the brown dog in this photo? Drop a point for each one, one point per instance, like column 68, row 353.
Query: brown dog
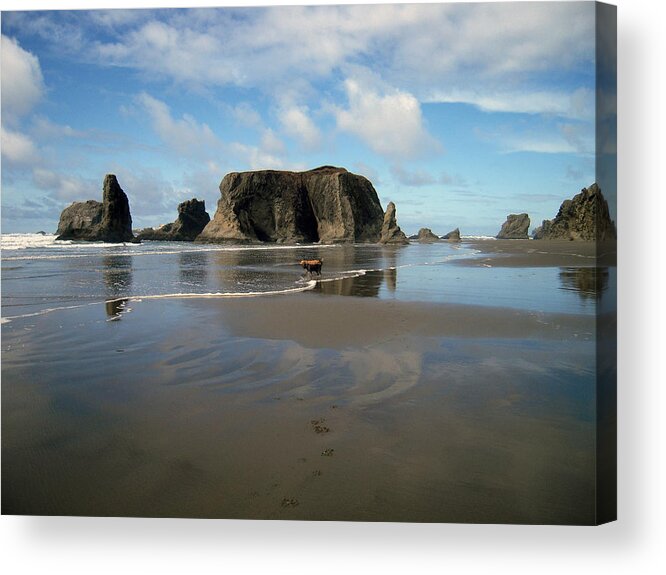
column 312, row 266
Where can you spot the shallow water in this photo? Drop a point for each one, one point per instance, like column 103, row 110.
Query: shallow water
column 40, row 275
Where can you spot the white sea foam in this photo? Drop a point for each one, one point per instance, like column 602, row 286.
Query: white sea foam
column 42, row 247
column 24, row 241
column 185, row 295
column 46, row 310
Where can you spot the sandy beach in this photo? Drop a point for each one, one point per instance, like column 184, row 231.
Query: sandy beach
column 302, row 406
column 541, row 253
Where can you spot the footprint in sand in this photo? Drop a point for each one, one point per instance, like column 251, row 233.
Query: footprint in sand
column 289, row 502
column 318, row 426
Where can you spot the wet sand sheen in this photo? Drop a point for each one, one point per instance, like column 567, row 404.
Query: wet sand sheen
column 301, row 407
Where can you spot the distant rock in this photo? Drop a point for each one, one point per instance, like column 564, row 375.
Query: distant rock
column 515, row 227
column 585, row 217
column 452, row 236
column 192, row 219
column 108, row 221
column 425, row 235
column 391, row 232
column 327, row 205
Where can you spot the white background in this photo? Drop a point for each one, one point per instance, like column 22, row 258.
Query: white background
column 634, row 544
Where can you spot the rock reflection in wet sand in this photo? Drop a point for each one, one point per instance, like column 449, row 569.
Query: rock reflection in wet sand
column 587, row 282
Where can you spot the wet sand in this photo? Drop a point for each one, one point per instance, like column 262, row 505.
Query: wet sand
column 340, row 322
column 301, row 407
column 540, row 253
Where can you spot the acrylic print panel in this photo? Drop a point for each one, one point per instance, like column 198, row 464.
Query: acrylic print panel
column 346, row 263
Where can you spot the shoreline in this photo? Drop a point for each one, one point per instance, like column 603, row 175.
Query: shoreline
column 540, row 253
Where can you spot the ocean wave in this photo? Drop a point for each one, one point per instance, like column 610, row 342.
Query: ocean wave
column 42, row 248
column 178, row 295
column 194, row 295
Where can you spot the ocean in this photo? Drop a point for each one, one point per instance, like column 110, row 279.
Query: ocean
column 41, row 275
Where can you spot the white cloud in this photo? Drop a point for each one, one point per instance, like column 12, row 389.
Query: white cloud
column 256, row 157
column 45, row 129
column 22, row 81
column 542, row 144
column 271, row 144
column 390, row 122
column 197, row 142
column 17, row 149
column 246, row 115
column 296, row 122
column 579, row 137
column 66, row 188
column 578, row 104
column 185, row 135
column 415, row 47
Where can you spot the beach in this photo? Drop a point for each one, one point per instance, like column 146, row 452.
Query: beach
column 368, row 398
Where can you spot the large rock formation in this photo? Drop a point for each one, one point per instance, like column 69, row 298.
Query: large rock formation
column 391, row 232
column 452, row 236
column 109, row 221
column 515, row 227
column 192, row 219
column 324, row 205
column 585, row 217
column 425, row 236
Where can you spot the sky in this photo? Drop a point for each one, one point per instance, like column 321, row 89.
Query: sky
column 458, row 113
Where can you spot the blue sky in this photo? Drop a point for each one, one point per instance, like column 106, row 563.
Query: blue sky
column 459, row 113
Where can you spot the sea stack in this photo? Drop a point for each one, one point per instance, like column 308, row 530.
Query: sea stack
column 326, row 205
column 391, row 232
column 515, row 227
column 425, row 236
column 108, row 221
column 585, row 217
column 452, row 236
column 192, row 219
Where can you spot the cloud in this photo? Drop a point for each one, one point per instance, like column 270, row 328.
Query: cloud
column 271, row 144
column 578, row 104
column 197, row 142
column 256, row 157
column 538, row 144
column 389, row 122
column 560, row 138
column 412, row 178
column 65, row 188
column 246, row 115
column 418, row 48
column 22, row 81
column 44, row 129
column 296, row 122
column 17, row 149
column 579, row 137
column 184, row 135
column 184, row 54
